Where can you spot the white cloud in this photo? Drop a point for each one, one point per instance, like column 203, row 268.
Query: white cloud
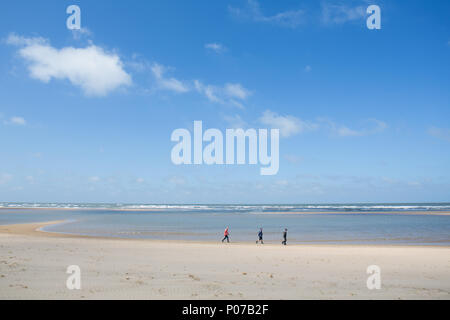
column 230, row 93
column 373, row 126
column 94, row 179
column 16, row 40
column 170, row 84
column 340, row 13
column 440, row 133
column 344, row 131
column 252, row 11
column 235, row 90
column 19, row 121
column 291, row 125
column 77, row 34
column 208, row 90
column 177, row 180
column 288, row 125
column 216, row 47
column 235, row 122
column 210, row 93
column 5, row 178
column 237, row 104
column 368, row 127
column 94, row 70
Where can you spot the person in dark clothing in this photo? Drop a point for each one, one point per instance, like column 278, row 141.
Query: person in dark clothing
column 284, row 237
column 226, row 233
column 260, row 236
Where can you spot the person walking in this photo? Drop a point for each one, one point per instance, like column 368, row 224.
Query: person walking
column 284, row 237
column 260, row 236
column 226, row 234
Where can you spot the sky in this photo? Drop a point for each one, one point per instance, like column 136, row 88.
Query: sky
column 87, row 115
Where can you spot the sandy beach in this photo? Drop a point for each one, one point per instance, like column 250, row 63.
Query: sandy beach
column 33, row 266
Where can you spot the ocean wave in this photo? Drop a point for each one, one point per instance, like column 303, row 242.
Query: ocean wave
column 237, row 208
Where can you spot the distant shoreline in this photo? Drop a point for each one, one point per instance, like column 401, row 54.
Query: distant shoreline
column 437, row 213
column 396, row 212
column 80, row 209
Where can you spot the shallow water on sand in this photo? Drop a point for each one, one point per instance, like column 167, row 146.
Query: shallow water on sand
column 206, row 223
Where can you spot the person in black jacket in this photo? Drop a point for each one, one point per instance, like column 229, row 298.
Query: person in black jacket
column 260, row 236
column 284, row 237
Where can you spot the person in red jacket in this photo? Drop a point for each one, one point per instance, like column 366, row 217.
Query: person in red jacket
column 226, row 234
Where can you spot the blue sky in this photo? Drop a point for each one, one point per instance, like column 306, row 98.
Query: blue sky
column 364, row 114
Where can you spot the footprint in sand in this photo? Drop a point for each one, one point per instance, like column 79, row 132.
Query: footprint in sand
column 162, row 291
column 18, row 285
column 194, row 277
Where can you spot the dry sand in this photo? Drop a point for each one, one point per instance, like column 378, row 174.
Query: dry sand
column 33, row 266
